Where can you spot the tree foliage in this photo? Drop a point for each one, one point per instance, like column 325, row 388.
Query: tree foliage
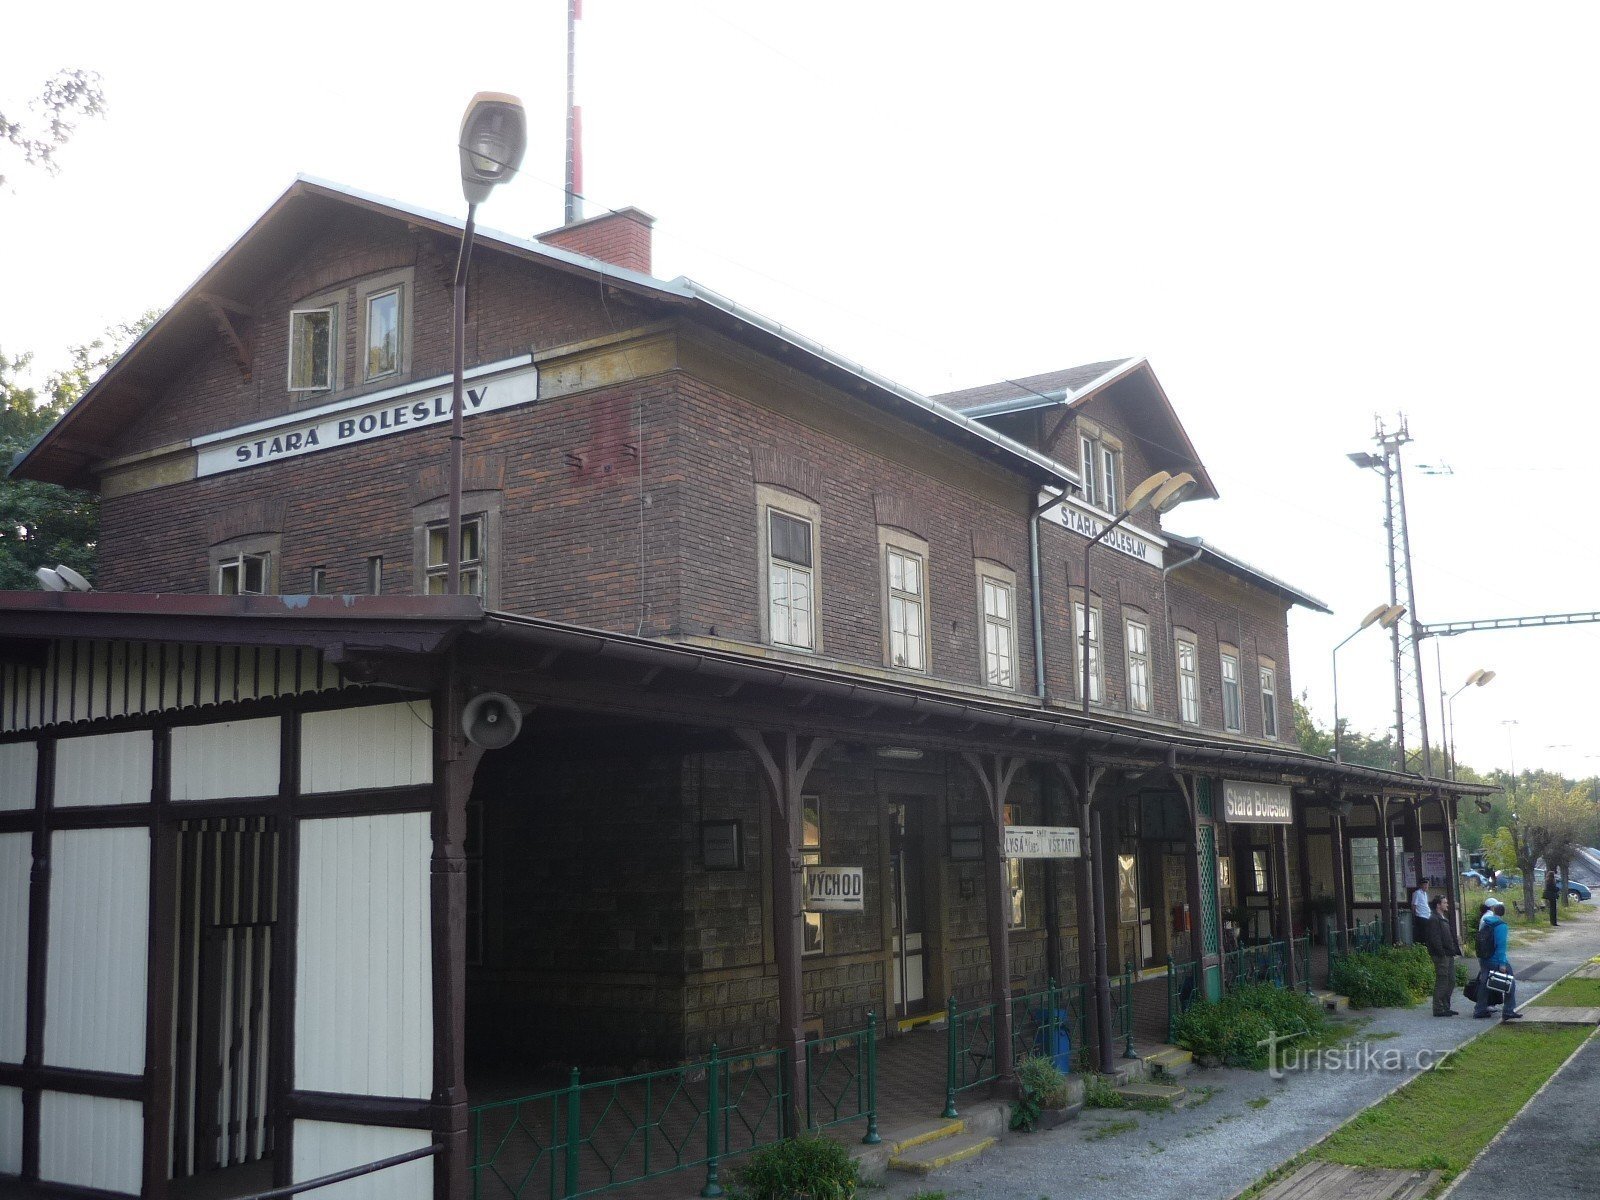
column 66, row 97
column 42, row 524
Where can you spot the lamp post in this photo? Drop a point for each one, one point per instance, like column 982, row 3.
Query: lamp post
column 494, row 134
column 1160, row 493
column 1478, row 678
column 1386, row 615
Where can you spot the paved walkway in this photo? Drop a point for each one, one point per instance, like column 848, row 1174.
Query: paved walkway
column 1550, row 1149
column 1240, row 1124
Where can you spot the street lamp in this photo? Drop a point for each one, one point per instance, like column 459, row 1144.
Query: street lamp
column 1478, row 678
column 1160, row 493
column 1385, row 615
column 494, row 134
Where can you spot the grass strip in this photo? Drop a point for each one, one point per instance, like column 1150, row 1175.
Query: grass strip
column 1443, row 1117
column 1571, row 993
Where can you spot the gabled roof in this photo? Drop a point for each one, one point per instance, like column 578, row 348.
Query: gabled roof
column 1155, row 422
column 68, row 450
column 1255, row 576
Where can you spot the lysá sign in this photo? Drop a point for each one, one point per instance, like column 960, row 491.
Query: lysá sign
column 835, row 889
column 1042, row 841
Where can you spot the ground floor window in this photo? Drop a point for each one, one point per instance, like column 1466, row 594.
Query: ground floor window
column 811, row 855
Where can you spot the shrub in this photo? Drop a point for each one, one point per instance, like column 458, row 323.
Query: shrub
column 1390, row 977
column 1040, row 1085
column 806, row 1166
column 1232, row 1029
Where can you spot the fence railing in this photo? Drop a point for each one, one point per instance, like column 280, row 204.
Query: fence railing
column 1301, row 947
column 1183, row 992
column 322, row 1181
column 842, row 1080
column 1261, row 963
column 1362, row 936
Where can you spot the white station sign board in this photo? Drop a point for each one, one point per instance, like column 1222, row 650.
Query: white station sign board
column 836, row 889
column 1257, row 803
column 364, row 418
column 1082, row 519
column 1042, row 841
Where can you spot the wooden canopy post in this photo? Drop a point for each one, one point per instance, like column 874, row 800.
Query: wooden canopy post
column 1191, row 872
column 1341, row 894
column 1280, row 842
column 786, row 760
column 1088, row 904
column 1048, row 783
column 995, row 774
column 1386, row 880
column 1452, row 873
column 1104, row 1039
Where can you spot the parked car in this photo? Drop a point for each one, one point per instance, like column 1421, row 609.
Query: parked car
column 1506, row 879
column 1578, row 891
column 1475, row 878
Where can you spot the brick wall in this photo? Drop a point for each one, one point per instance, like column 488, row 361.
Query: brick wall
column 622, row 237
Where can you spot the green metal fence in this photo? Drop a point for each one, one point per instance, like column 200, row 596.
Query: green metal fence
column 1301, row 947
column 1184, row 991
column 1360, row 937
column 1261, row 963
column 587, row 1138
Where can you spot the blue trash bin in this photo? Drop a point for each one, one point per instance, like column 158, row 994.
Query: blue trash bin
column 1054, row 1044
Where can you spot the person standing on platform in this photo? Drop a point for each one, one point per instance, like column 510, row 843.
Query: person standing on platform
column 1419, row 913
column 1443, row 947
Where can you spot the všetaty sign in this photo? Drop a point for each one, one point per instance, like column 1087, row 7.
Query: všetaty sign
column 1257, row 803
column 364, row 418
column 835, row 889
column 1042, row 841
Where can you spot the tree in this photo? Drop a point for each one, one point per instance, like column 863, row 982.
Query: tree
column 42, row 524
column 68, row 95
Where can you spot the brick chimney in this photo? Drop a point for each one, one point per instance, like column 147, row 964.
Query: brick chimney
column 620, row 237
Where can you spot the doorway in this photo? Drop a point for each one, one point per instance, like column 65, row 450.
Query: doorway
column 226, row 875
column 908, row 909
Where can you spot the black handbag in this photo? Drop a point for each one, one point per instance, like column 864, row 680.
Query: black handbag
column 1471, row 990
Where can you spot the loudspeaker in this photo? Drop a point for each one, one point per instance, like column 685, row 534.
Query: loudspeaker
column 491, row 720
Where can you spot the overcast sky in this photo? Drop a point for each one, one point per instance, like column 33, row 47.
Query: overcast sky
column 1303, row 215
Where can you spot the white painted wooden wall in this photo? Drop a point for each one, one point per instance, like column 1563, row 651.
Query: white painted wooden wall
column 364, row 997
column 91, row 1141
column 16, row 863
column 104, row 768
column 226, row 759
column 380, row 746
column 10, row 1131
column 321, row 1148
column 19, row 764
column 98, row 947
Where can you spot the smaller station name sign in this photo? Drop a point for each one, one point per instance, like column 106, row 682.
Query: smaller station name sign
column 1042, row 841
column 1257, row 803
column 835, row 889
column 361, row 419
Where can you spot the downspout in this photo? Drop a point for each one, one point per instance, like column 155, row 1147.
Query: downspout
column 1038, row 601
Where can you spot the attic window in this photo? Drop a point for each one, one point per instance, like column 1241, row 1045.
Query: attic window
column 311, row 349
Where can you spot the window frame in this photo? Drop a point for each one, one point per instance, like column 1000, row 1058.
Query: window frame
column 367, row 373
column 1138, row 680
column 402, row 280
column 796, row 507
column 374, row 574
column 1005, row 581
column 327, row 303
column 1268, row 671
column 1097, row 658
column 478, row 505
column 1016, row 879
column 233, row 552
column 1231, row 689
column 470, row 564
column 1188, row 680
column 811, row 924
column 896, row 542
column 1100, row 463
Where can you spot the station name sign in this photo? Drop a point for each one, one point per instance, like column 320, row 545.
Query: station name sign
column 360, row 420
column 1257, row 803
column 1081, row 519
column 835, row 889
column 1042, row 841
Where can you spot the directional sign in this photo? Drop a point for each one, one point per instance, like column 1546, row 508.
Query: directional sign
column 835, row 889
column 1042, row 841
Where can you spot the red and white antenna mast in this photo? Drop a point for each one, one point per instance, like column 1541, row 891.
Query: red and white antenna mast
column 574, row 186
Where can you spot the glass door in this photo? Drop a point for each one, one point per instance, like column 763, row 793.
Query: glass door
column 907, row 909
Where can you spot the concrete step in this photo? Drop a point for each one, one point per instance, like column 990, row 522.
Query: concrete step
column 1153, row 1094
column 1331, row 1001
column 1170, row 1062
column 941, row 1152
column 919, row 1133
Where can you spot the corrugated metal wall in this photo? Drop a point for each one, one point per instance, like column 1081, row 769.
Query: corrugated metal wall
column 10, row 1131
column 16, row 863
column 19, row 764
column 321, row 1148
column 364, row 1002
column 379, row 746
column 91, row 1141
column 99, row 943
column 230, row 758
column 86, row 680
column 104, row 768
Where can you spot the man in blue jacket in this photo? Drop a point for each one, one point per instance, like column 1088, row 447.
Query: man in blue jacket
column 1493, row 934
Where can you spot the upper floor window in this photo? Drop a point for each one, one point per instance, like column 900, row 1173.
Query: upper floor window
column 1269, row 699
column 1232, row 704
column 904, row 571
column 313, row 348
column 471, row 576
column 790, row 590
column 383, row 333
column 1138, row 643
column 999, row 630
column 1101, row 465
column 1096, row 672
column 245, row 575
column 1188, row 679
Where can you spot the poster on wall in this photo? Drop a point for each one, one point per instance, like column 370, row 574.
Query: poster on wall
column 1435, row 868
